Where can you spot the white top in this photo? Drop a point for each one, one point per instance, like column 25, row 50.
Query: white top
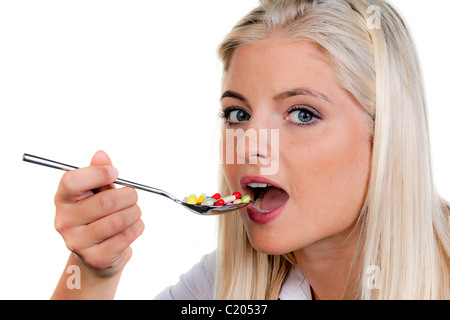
column 198, row 283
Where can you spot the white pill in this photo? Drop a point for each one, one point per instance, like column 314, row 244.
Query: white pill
column 229, row 198
column 208, row 202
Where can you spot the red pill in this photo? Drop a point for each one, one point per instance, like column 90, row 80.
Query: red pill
column 216, row 196
column 219, row 202
column 237, row 195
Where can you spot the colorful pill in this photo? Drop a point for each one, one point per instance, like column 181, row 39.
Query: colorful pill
column 219, row 202
column 208, row 202
column 201, row 198
column 192, row 199
column 229, row 199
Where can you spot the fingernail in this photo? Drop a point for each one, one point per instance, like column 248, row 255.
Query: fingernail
column 113, row 173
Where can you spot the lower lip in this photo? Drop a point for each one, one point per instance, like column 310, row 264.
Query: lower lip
column 263, row 218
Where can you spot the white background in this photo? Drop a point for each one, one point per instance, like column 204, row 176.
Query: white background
column 140, row 80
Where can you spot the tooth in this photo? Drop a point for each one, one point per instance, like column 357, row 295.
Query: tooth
column 257, row 185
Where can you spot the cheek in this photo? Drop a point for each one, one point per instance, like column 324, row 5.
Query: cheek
column 331, row 175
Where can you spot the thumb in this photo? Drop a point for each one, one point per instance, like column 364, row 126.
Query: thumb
column 100, row 158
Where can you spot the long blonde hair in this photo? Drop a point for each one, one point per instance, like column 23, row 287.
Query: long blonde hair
column 404, row 223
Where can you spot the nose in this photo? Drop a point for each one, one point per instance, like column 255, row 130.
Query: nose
column 251, row 146
column 258, row 145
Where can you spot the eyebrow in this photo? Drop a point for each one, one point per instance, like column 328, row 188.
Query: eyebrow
column 232, row 94
column 301, row 92
column 281, row 96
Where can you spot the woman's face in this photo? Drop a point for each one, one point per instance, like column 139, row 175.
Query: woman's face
column 316, row 155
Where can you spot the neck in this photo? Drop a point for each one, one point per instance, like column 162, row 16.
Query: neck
column 326, row 265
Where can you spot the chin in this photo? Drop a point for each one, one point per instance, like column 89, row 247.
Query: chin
column 263, row 242
column 278, row 240
column 271, row 249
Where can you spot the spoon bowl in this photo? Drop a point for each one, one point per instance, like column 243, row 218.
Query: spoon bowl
column 213, row 210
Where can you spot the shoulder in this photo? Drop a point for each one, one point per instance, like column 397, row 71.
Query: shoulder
column 196, row 284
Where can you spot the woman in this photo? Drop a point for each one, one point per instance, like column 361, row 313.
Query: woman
column 351, row 211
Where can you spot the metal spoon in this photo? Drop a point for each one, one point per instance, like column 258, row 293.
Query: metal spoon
column 198, row 209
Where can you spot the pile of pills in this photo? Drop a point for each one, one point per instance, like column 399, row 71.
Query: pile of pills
column 217, row 199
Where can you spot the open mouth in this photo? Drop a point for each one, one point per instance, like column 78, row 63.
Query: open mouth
column 266, row 197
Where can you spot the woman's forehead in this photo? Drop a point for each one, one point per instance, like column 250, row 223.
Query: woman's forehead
column 278, row 66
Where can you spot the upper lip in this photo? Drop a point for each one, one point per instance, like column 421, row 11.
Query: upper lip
column 259, row 179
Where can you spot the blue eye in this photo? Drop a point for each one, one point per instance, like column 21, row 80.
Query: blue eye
column 238, row 115
column 234, row 115
column 301, row 116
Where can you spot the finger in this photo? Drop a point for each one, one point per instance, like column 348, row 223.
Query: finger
column 115, row 223
column 74, row 183
column 107, row 253
column 121, row 241
column 102, row 204
column 100, row 158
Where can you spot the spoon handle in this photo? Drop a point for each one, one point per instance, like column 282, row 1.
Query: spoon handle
column 66, row 167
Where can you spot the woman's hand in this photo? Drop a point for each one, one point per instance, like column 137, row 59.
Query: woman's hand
column 97, row 221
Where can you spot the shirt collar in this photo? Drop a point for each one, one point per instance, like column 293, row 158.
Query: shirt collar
column 295, row 286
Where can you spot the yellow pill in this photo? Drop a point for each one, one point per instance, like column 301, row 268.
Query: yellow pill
column 192, row 199
column 200, row 199
column 237, row 201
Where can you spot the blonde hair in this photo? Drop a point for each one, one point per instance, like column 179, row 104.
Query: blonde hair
column 404, row 223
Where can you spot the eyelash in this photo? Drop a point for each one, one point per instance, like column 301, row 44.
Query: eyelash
column 314, row 113
column 224, row 114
